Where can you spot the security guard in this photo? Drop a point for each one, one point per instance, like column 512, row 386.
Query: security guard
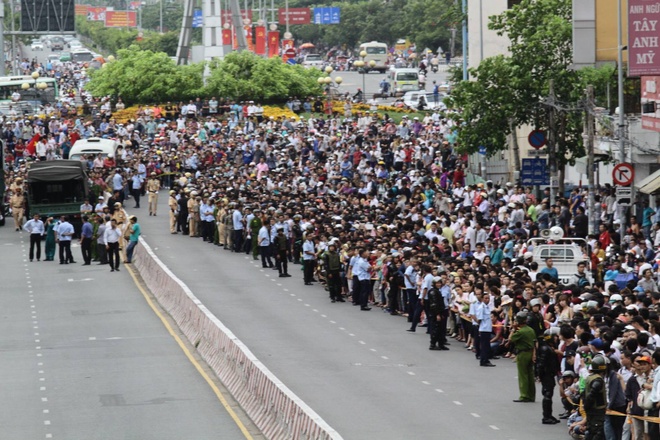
column 174, row 208
column 595, row 399
column 297, row 239
column 547, row 367
column 193, row 214
column 332, row 264
column 436, row 318
column 281, row 253
column 17, row 204
column 220, row 220
column 153, row 186
column 524, row 341
column 535, row 319
column 228, row 220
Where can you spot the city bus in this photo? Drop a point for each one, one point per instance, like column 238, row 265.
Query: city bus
column 376, row 52
column 42, row 90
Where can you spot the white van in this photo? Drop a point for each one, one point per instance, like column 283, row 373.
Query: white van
column 376, row 52
column 404, row 80
column 566, row 253
column 93, row 146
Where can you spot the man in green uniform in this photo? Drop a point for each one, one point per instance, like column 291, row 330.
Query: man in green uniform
column 332, row 263
column 255, row 225
column 524, row 341
column 595, row 399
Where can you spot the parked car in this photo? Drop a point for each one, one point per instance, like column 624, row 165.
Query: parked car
column 411, row 100
column 37, row 45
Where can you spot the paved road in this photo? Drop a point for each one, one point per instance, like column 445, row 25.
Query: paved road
column 84, row 357
column 361, row 371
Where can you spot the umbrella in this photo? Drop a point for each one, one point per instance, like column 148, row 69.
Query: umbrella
column 307, row 46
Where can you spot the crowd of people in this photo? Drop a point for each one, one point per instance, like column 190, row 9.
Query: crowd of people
column 382, row 214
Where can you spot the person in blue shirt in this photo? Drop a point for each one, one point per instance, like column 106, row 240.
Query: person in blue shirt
column 485, row 331
column 86, row 240
column 551, row 271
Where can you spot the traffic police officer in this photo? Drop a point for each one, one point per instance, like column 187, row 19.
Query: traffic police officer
column 153, row 186
column 174, row 206
column 17, row 204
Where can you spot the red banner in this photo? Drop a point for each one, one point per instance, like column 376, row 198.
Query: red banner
column 287, row 44
column 247, row 30
column 226, row 16
column 81, row 10
column 120, row 19
column 273, row 43
column 96, row 13
column 260, row 40
column 296, row 16
column 643, row 42
column 226, row 37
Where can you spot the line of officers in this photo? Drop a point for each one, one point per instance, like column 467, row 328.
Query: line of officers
column 235, row 226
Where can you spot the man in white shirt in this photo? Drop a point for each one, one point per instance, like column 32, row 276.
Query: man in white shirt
column 35, row 227
column 309, row 258
column 237, row 220
column 264, row 241
column 422, row 298
column 111, row 237
column 65, row 233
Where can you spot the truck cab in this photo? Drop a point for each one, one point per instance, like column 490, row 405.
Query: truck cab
column 566, row 253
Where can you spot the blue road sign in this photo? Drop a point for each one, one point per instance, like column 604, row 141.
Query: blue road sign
column 198, row 18
column 482, row 150
column 534, row 172
column 327, row 15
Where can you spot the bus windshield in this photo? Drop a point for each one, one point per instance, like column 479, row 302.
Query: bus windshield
column 376, row 51
column 81, row 57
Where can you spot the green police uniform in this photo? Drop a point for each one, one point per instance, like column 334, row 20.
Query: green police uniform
column 595, row 405
column 255, row 225
column 524, row 339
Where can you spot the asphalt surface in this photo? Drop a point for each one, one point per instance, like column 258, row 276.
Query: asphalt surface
column 361, row 371
column 85, row 357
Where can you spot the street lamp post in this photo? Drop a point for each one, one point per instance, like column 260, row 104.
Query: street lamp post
column 329, row 85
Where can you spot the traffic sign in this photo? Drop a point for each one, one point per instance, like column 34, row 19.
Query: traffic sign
column 482, row 150
column 537, row 139
column 288, row 54
column 623, row 174
column 624, row 195
column 534, row 172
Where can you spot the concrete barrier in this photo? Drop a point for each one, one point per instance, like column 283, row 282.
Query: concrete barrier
column 273, row 407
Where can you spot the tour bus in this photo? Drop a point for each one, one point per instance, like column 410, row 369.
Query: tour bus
column 81, row 56
column 43, row 89
column 376, row 52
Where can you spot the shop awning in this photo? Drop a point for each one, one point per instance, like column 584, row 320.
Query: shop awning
column 650, row 184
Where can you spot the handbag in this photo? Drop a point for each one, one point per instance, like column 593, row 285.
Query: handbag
column 644, row 399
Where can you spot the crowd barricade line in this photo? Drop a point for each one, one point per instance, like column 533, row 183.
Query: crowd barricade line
column 276, row 411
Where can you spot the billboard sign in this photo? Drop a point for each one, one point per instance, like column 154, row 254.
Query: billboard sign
column 296, row 16
column 81, row 10
column 52, row 16
column 119, row 19
column 651, row 103
column 643, row 37
column 96, row 13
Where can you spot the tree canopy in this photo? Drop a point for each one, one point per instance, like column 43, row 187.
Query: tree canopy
column 145, row 76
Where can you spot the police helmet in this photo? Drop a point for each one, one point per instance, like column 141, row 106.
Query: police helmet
column 535, row 302
column 599, row 363
column 521, row 317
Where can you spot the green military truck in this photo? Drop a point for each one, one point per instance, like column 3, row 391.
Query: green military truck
column 57, row 187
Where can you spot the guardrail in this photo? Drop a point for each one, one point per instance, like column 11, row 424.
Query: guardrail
column 273, row 407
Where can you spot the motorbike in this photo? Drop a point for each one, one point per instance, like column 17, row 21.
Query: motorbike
column 434, row 68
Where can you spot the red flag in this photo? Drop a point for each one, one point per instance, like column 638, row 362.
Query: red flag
column 273, row 44
column 260, row 40
column 32, row 145
column 226, row 37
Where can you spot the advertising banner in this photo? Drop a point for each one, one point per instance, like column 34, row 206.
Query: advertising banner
column 643, row 37
column 651, row 103
column 81, row 10
column 119, row 19
column 96, row 13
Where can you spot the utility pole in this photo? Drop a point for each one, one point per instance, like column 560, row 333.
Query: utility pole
column 2, row 38
column 551, row 139
column 13, row 37
column 589, row 139
column 465, row 40
column 516, row 148
column 622, row 122
column 160, row 25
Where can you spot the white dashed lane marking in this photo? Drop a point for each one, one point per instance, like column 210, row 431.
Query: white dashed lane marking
column 456, row 402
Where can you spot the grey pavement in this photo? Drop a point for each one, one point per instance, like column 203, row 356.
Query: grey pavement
column 84, row 357
column 361, row 371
